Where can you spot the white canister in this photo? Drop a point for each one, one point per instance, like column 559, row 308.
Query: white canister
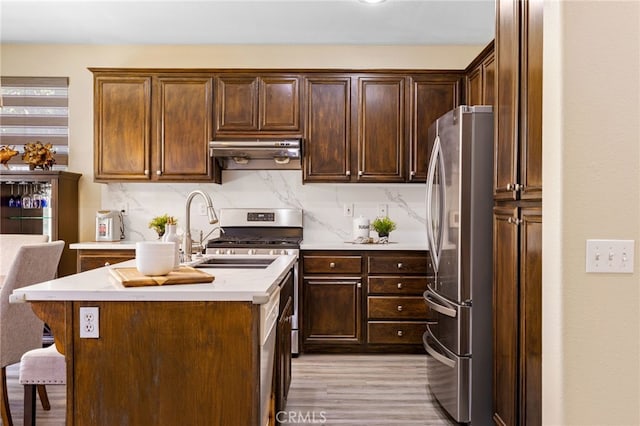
column 360, row 227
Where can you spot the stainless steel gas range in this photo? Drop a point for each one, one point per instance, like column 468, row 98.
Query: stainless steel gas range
column 262, row 231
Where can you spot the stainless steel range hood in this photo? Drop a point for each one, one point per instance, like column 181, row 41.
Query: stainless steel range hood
column 258, row 154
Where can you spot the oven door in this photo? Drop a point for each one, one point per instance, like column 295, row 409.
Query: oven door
column 453, row 323
column 449, row 378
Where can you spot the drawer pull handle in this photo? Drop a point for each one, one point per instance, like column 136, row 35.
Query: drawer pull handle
column 332, row 265
column 399, row 308
column 400, row 265
column 400, row 333
column 107, row 264
column 399, row 285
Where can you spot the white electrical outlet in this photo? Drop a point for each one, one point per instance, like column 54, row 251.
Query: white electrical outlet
column 89, row 322
column 202, row 209
column 610, row 256
column 383, row 210
column 348, row 210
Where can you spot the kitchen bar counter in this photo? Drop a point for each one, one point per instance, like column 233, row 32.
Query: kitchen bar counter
column 165, row 355
column 230, row 284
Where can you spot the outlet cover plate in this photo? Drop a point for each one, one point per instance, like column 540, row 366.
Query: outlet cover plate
column 89, row 322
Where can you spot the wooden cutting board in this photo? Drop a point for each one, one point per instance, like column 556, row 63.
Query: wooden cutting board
column 131, row 277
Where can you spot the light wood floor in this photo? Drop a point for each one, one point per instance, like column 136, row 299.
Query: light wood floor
column 371, row 390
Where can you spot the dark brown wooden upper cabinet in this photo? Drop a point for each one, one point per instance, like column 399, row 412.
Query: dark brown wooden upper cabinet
column 254, row 106
column 151, row 127
column 183, row 128
column 122, row 127
column 327, row 147
column 431, row 97
column 382, row 129
column 518, row 150
column 480, row 78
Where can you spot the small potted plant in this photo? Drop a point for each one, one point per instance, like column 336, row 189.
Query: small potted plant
column 159, row 223
column 383, row 226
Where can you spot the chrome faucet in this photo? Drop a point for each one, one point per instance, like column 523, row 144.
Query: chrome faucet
column 211, row 214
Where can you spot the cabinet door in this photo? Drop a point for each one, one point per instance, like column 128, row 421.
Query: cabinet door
column 489, row 80
column 505, row 316
column 381, row 129
column 506, row 114
column 183, row 128
column 236, row 104
column 92, row 259
column 279, row 104
column 474, row 86
column 531, row 102
column 432, row 96
column 331, row 312
column 283, row 356
column 122, row 127
column 531, row 316
column 328, row 129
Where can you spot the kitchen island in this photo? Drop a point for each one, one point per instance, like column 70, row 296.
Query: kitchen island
column 165, row 355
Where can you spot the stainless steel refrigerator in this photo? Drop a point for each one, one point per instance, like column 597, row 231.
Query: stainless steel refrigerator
column 459, row 234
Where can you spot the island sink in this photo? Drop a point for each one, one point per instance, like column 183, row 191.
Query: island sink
column 238, row 263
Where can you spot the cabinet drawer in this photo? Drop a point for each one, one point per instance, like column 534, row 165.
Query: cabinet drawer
column 395, row 332
column 399, row 264
column 97, row 259
column 332, row 264
column 398, row 285
column 397, row 307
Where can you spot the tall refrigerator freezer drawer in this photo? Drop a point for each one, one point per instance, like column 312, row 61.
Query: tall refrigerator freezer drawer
column 449, row 378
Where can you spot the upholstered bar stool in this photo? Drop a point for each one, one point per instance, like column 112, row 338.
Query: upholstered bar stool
column 38, row 368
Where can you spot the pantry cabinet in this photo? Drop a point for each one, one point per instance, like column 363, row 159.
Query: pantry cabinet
column 517, row 321
column 518, row 137
column 386, row 314
column 152, row 126
column 257, row 105
column 480, row 78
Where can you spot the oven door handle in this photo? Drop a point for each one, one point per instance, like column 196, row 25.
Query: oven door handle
column 432, row 300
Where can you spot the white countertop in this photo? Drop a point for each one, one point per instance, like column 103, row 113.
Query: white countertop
column 104, row 245
column 230, row 284
column 328, row 245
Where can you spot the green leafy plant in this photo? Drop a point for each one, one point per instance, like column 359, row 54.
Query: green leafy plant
column 383, row 225
column 159, row 223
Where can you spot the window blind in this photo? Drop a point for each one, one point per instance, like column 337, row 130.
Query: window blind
column 35, row 109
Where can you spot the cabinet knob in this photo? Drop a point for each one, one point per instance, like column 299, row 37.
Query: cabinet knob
column 360, row 173
column 348, row 173
column 359, row 285
column 399, row 308
column 400, row 265
column 146, row 172
column 159, row 172
column 509, row 187
column 332, row 265
column 412, row 174
column 107, row 264
column 399, row 285
column 400, row 333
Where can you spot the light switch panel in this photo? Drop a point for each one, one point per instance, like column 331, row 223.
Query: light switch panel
column 610, row 256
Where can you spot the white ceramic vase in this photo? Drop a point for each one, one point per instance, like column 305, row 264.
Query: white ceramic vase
column 171, row 236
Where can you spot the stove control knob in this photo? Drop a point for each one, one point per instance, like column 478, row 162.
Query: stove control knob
column 219, row 251
column 272, row 252
column 231, row 251
column 251, row 251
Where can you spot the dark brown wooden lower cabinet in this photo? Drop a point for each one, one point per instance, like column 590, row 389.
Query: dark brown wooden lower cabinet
column 517, row 299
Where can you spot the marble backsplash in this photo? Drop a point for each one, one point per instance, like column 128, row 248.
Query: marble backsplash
column 322, row 204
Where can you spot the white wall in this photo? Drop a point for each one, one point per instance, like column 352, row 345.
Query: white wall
column 591, row 148
column 322, row 203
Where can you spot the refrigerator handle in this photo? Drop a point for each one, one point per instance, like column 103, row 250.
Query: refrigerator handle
column 433, row 249
column 431, row 300
column 435, row 354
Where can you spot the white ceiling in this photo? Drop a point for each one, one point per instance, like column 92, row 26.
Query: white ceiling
column 394, row 22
